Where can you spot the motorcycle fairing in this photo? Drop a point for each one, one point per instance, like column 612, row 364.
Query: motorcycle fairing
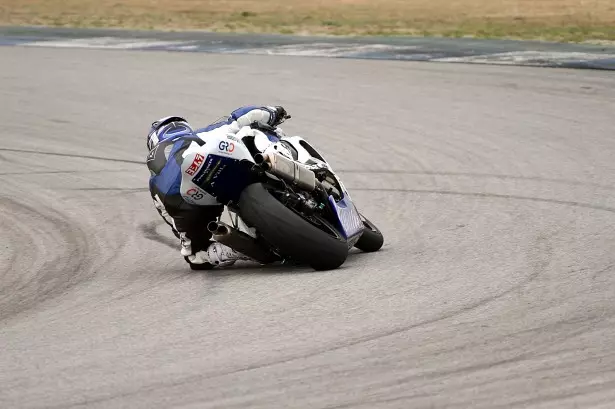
column 348, row 217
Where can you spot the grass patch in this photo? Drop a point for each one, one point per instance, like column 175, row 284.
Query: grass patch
column 558, row 20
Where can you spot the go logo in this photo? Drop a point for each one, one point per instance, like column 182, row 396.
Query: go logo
column 226, row 146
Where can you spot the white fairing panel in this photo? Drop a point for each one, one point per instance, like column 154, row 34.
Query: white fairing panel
column 304, row 156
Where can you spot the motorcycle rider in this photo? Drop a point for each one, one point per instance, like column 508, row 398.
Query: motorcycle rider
column 173, row 159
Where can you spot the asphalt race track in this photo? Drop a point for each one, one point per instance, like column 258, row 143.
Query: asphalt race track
column 494, row 186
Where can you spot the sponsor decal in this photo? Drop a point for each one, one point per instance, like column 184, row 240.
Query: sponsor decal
column 196, row 163
column 195, row 194
column 208, row 175
column 215, row 173
column 225, row 146
column 202, row 176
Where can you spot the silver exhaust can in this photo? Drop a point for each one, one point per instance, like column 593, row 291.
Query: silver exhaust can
column 290, row 170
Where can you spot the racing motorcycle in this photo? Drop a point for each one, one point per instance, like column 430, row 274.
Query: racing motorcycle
column 286, row 204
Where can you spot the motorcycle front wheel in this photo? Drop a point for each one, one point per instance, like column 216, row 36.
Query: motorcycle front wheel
column 372, row 239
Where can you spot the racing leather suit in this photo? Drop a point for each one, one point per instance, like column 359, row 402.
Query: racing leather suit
column 183, row 206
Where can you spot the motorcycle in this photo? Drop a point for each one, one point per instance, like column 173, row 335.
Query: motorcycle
column 291, row 205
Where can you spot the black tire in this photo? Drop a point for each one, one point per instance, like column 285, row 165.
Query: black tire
column 372, row 239
column 294, row 236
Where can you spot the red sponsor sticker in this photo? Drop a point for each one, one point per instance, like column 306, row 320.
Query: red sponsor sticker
column 196, row 163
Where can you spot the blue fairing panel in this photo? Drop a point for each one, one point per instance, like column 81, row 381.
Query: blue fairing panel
column 272, row 137
column 348, row 216
column 222, row 177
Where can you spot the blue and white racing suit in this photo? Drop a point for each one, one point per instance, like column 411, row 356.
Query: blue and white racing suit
column 171, row 185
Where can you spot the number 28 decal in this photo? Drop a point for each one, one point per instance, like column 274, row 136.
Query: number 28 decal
column 194, row 194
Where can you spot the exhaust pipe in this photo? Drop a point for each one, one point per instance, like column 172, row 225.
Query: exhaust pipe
column 217, row 228
column 241, row 242
column 260, row 160
column 287, row 169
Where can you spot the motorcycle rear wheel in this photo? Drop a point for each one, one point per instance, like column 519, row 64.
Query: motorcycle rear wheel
column 291, row 234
